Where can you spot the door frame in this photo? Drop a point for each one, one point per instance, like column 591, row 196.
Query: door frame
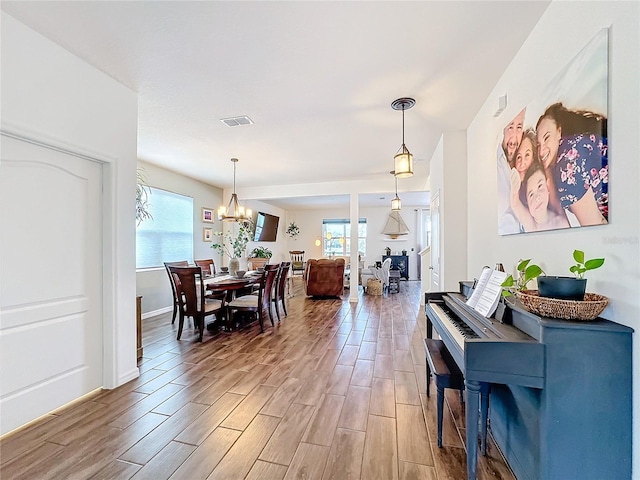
column 109, row 264
column 436, row 243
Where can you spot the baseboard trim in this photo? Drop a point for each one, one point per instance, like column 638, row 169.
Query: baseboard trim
column 128, row 376
column 154, row 313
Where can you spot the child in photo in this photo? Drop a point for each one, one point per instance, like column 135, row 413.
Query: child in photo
column 537, row 215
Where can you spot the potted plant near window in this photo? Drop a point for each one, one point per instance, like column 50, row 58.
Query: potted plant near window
column 142, row 196
column 258, row 257
column 233, row 245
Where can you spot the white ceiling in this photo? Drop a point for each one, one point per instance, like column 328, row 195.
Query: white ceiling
column 317, row 78
column 364, row 200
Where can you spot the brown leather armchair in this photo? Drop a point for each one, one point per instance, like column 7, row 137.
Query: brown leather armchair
column 324, row 277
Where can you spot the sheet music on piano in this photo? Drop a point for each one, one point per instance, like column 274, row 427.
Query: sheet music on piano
column 485, row 297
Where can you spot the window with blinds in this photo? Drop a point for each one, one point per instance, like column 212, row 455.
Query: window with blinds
column 168, row 235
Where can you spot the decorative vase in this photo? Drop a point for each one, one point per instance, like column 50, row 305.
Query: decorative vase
column 564, row 288
column 234, row 265
column 387, row 251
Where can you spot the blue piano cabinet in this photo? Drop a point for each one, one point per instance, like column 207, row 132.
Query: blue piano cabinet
column 579, row 424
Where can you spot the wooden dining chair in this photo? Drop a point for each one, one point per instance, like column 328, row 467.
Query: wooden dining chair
column 297, row 261
column 209, row 268
column 206, row 266
column 176, row 302
column 191, row 296
column 256, row 304
column 281, row 286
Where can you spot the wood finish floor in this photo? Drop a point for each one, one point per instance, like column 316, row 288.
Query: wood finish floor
column 336, row 391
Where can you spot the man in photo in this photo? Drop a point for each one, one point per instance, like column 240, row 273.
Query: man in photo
column 511, row 138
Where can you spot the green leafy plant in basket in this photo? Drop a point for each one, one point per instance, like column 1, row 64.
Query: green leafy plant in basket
column 569, row 288
column 526, row 272
column 581, row 266
column 260, row 252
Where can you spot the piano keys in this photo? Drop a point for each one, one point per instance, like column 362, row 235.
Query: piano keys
column 560, row 404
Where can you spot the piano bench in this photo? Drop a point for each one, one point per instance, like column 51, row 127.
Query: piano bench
column 446, row 373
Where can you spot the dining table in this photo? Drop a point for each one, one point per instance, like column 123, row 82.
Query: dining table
column 231, row 284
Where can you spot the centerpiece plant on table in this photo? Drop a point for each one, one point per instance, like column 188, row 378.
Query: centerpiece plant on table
column 233, row 245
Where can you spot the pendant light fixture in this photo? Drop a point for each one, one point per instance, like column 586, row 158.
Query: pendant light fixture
column 234, row 212
column 396, row 203
column 403, row 161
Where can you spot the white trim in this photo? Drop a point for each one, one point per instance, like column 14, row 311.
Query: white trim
column 128, row 376
column 109, row 274
column 157, row 312
column 42, row 139
column 56, row 411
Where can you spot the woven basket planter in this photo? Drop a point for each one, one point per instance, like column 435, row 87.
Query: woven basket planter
column 588, row 309
column 374, row 286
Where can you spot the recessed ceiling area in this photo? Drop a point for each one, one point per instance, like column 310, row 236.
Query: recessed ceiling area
column 413, row 199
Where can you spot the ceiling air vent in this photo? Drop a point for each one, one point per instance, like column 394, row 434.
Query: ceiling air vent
column 237, row 121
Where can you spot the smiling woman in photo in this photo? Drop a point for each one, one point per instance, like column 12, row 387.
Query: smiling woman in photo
column 572, row 146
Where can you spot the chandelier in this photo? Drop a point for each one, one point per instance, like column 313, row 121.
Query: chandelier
column 396, row 203
column 234, row 212
column 403, row 161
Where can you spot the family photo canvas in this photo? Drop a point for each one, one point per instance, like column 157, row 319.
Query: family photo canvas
column 552, row 157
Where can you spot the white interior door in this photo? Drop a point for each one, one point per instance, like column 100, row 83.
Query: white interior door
column 51, row 336
column 435, row 243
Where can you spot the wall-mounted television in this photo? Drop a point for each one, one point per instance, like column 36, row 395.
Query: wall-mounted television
column 266, row 228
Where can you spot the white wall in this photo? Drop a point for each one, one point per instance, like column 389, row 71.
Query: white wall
column 447, row 163
column 561, row 33
column 52, row 96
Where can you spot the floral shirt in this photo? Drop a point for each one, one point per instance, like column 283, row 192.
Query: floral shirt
column 582, row 163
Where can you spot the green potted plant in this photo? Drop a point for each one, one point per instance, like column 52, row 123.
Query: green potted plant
column 526, row 272
column 142, row 195
column 258, row 257
column 293, row 230
column 261, row 252
column 233, row 245
column 569, row 288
